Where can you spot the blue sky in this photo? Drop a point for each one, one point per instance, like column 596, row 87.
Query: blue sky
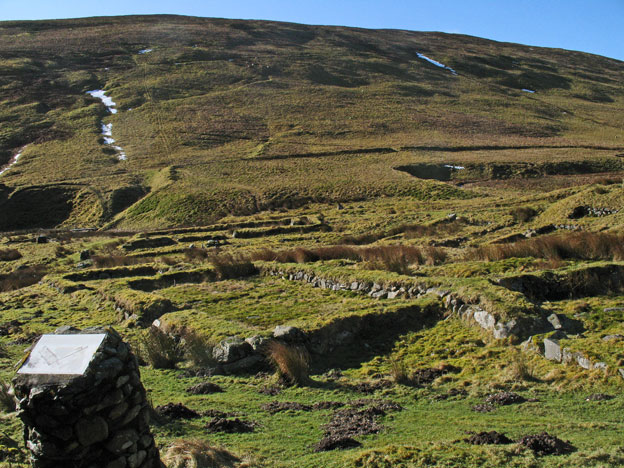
column 595, row 26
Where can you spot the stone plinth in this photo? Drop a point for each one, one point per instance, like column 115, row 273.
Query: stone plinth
column 83, row 404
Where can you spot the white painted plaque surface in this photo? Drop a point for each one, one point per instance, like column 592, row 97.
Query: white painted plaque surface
column 62, row 354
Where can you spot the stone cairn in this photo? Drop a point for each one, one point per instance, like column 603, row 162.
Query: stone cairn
column 97, row 419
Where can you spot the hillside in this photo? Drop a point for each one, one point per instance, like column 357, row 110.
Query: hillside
column 231, row 117
column 332, row 246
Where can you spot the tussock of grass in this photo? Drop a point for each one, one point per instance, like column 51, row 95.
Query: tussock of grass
column 291, row 362
column 21, row 278
column 229, row 266
column 578, row 245
column 523, row 214
column 160, row 349
column 520, row 368
column 396, row 258
column 197, row 348
column 196, row 254
column 7, row 402
column 196, row 453
column 7, row 255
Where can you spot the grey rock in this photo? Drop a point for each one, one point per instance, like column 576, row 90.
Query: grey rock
column 122, row 380
column 568, row 356
column 146, row 441
column 131, row 415
column 91, row 430
column 394, row 294
column 141, row 455
column 613, row 338
column 246, row 364
column 600, row 365
column 122, row 440
column 504, row 330
column 118, row 463
column 381, row 294
column 231, row 349
column 484, row 319
column 46, row 422
column 288, row 333
column 113, row 398
column 583, row 361
column 529, row 345
column 66, row 330
column 64, row 433
column 118, row 411
column 552, row 350
column 621, row 371
column 614, row 309
column 257, row 342
column 108, row 369
column 554, row 320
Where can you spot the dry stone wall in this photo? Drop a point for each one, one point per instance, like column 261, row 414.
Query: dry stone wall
column 454, row 304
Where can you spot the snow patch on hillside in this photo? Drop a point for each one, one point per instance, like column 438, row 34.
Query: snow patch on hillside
column 11, row 162
column 145, row 51
column 107, row 101
column 528, row 90
column 107, row 128
column 436, row 63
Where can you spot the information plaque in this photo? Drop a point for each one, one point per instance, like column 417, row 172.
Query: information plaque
column 62, row 354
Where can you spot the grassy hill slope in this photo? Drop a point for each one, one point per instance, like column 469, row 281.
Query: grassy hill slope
column 232, row 117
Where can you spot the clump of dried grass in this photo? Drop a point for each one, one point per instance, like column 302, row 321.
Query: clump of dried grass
column 193, row 254
column 196, row 453
column 197, row 348
column 292, row 363
column 520, row 368
column 396, row 258
column 22, row 277
column 7, row 402
column 399, row 373
column 578, row 245
column 522, row 214
column 160, row 349
column 232, row 266
column 7, row 255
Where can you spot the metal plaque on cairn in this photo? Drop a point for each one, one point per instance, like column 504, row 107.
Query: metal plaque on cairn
column 83, row 404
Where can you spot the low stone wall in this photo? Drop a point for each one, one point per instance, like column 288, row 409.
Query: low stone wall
column 454, row 304
column 99, row 419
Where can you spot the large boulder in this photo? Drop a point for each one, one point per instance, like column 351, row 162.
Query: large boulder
column 231, row 349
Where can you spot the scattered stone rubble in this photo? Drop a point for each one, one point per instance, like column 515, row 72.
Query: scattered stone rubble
column 99, row 419
column 584, row 210
column 553, row 351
